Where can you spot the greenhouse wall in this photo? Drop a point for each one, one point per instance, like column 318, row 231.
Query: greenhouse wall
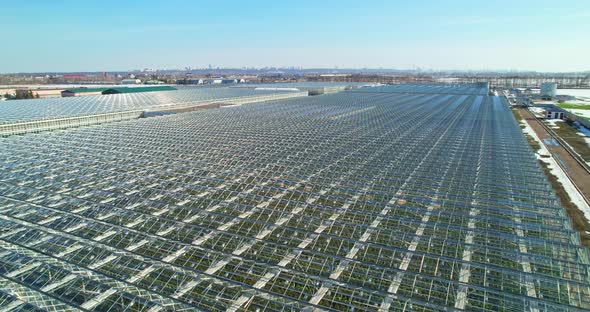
column 64, row 123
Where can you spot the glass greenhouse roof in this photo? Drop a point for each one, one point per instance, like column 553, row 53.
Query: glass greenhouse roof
column 472, row 89
column 50, row 108
column 364, row 201
column 304, row 84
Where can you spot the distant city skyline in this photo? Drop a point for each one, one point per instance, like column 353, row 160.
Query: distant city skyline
column 289, row 69
column 84, row 36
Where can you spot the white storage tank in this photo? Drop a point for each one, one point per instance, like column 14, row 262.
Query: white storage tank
column 548, row 90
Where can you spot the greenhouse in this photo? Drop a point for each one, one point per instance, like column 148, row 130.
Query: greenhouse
column 24, row 116
column 466, row 88
column 50, row 108
column 364, row 201
column 313, row 87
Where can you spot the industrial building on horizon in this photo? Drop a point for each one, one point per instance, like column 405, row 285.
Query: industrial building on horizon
column 114, row 90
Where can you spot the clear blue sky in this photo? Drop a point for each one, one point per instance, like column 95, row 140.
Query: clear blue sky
column 88, row 35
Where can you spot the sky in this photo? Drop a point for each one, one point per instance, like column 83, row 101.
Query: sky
column 105, row 35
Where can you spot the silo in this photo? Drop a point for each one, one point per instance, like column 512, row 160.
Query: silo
column 548, row 89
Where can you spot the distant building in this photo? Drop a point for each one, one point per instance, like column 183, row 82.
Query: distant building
column 137, row 89
column 516, row 91
column 23, row 93
column 190, row 81
column 42, row 92
column 484, row 85
column 548, row 90
column 554, row 113
column 222, row 81
column 522, row 101
column 99, row 91
column 82, row 92
column 74, row 76
column 130, row 81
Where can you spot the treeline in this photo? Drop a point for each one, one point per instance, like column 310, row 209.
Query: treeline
column 21, row 95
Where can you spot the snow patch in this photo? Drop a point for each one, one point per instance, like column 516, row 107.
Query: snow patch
column 583, row 93
column 553, row 123
column 538, row 111
column 580, row 112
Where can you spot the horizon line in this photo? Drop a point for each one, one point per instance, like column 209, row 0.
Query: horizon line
column 292, row 68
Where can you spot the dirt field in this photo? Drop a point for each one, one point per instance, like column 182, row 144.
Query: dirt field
column 570, row 134
column 579, row 176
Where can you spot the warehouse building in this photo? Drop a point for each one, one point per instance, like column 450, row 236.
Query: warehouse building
column 82, row 92
column 119, row 90
column 131, row 81
column 222, row 81
column 553, row 113
column 137, row 89
column 41, row 93
column 190, row 81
